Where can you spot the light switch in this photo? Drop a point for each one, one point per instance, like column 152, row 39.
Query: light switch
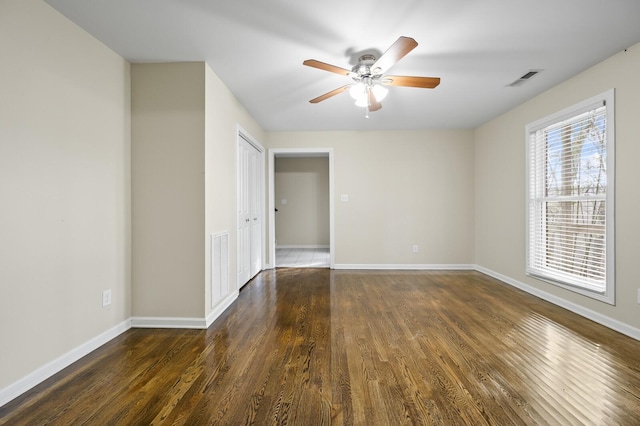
column 344, row 197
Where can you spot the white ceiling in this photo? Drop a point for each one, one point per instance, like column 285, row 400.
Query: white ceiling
column 476, row 47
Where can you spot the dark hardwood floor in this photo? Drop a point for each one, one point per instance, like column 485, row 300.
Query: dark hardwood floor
column 320, row 347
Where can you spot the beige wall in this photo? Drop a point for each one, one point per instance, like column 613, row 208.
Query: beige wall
column 64, row 187
column 223, row 116
column 404, row 188
column 304, row 183
column 184, row 131
column 168, row 189
column 500, row 174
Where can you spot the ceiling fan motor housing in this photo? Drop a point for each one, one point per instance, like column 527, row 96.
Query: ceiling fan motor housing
column 363, row 69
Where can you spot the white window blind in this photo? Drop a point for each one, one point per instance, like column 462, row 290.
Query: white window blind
column 570, row 198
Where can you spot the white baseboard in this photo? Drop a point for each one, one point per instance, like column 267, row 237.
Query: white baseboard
column 302, row 246
column 609, row 322
column 405, row 267
column 221, row 307
column 168, row 322
column 41, row 374
column 185, row 322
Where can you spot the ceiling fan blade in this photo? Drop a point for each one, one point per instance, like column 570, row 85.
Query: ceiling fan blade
column 397, row 51
column 374, row 105
column 330, row 94
column 408, row 81
column 326, row 67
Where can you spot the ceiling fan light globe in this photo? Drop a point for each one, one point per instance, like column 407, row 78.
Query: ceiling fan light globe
column 362, row 102
column 380, row 92
column 358, row 92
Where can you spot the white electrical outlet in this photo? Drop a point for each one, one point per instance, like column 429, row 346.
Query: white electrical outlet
column 415, row 248
column 106, row 298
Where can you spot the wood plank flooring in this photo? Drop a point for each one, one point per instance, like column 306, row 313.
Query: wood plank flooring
column 320, row 347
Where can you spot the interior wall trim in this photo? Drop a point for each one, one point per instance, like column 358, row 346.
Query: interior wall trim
column 406, row 267
column 31, row 380
column 604, row 320
column 168, row 322
column 221, row 307
column 298, row 152
column 302, row 246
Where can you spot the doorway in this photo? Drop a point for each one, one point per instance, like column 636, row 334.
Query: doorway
column 297, row 247
column 287, row 257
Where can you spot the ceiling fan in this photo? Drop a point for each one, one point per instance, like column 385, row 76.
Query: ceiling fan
column 368, row 74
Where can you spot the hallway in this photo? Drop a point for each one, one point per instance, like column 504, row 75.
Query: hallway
column 302, row 258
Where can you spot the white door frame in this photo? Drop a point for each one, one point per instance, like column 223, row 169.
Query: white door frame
column 298, row 152
column 242, row 134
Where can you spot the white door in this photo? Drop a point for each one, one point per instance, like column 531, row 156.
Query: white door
column 249, row 208
column 255, row 171
column 243, row 213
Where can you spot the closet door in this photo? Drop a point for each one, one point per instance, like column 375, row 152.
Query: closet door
column 255, row 227
column 249, row 218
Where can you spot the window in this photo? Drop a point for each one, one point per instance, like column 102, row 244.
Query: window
column 570, row 177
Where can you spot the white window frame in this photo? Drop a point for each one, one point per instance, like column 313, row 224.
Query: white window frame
column 608, row 99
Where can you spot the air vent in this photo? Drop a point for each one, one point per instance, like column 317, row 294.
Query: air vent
column 219, row 267
column 524, row 78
